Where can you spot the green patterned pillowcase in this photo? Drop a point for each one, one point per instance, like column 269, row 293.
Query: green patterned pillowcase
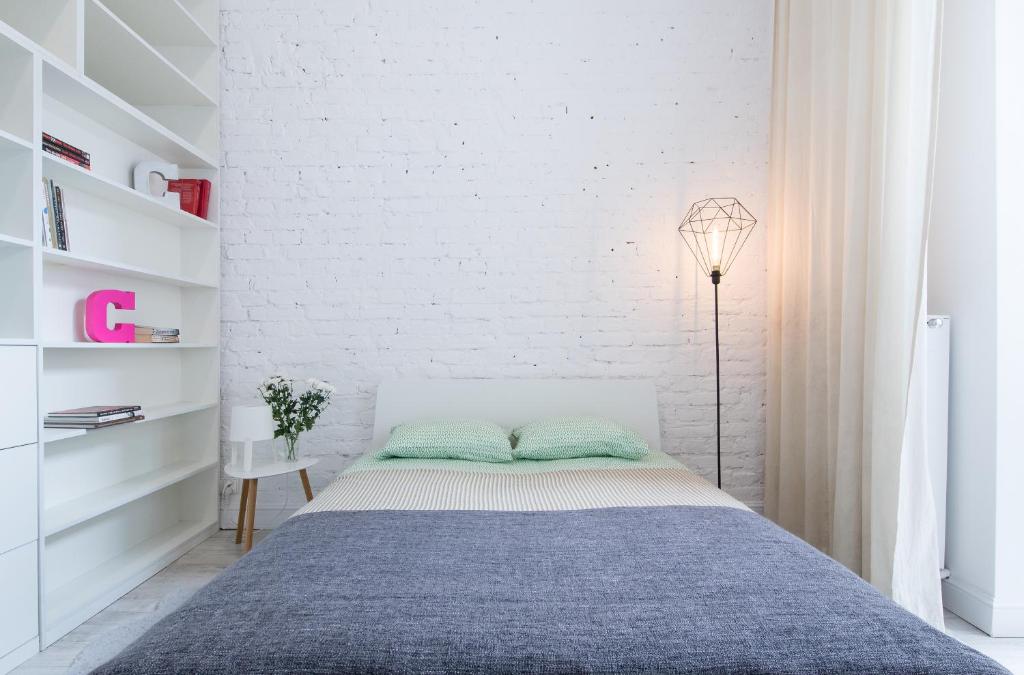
column 449, row 439
column 570, row 437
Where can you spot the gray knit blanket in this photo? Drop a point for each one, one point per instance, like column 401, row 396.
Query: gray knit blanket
column 671, row 589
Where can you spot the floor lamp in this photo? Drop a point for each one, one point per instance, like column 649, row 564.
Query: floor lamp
column 715, row 230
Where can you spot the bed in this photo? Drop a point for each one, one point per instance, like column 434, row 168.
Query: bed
column 558, row 566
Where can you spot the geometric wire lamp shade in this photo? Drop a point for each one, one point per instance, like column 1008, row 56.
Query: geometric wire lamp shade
column 715, row 230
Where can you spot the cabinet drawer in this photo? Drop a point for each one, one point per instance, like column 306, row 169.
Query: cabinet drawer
column 19, row 503
column 18, row 600
column 18, row 417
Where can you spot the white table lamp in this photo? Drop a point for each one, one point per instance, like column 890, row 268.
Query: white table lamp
column 250, row 423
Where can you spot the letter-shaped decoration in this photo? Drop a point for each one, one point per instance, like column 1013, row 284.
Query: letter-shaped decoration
column 96, row 316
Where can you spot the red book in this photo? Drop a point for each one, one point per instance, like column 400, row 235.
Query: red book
column 204, row 198
column 65, row 146
column 195, row 194
column 67, row 157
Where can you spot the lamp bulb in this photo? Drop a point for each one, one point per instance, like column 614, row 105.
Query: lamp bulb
column 716, row 249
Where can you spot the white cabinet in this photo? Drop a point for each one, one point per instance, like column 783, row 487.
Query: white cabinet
column 17, row 396
column 19, row 603
column 19, row 502
column 19, row 506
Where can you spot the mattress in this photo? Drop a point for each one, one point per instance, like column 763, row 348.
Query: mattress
column 521, row 485
column 571, row 566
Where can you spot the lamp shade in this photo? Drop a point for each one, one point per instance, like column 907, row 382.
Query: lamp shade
column 252, row 423
column 715, row 230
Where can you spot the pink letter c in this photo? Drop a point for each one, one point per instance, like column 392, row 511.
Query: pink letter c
column 96, row 316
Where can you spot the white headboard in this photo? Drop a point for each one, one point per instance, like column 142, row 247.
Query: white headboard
column 510, row 403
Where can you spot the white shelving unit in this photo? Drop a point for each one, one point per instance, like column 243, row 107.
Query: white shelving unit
column 127, row 82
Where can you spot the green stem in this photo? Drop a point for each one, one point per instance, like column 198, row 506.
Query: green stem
column 290, row 441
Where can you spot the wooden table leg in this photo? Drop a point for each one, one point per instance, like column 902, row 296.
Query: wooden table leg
column 250, row 514
column 305, row 484
column 241, row 511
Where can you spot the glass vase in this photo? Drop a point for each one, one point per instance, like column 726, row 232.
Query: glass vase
column 288, row 448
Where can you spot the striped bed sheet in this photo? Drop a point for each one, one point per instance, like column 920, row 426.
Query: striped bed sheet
column 523, row 485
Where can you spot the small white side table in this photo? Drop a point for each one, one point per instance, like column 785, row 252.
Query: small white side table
column 247, row 505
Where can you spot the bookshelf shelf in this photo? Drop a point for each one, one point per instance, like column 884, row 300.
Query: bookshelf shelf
column 107, row 109
column 152, row 414
column 75, row 601
column 17, row 242
column 44, row 26
column 70, row 259
column 127, row 82
column 62, row 516
column 129, row 345
column 67, row 174
column 162, row 22
column 150, row 80
column 17, row 342
column 9, row 141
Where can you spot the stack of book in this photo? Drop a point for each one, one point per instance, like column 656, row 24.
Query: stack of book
column 195, row 195
column 157, row 335
column 94, row 417
column 66, row 151
column 55, row 217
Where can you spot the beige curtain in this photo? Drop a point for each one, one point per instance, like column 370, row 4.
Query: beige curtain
column 852, row 132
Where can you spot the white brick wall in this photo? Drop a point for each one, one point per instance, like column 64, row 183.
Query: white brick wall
column 491, row 189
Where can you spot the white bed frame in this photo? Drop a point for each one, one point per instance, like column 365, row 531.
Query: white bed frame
column 510, row 403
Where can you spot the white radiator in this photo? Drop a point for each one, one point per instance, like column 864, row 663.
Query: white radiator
column 936, row 373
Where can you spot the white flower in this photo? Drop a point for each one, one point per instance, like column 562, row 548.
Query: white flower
column 320, row 385
column 324, row 387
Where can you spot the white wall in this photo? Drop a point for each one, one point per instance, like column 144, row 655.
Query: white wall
column 961, row 282
column 1009, row 522
column 972, row 276
column 491, row 189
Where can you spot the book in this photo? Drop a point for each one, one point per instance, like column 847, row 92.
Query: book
column 71, row 156
column 66, row 151
column 62, row 223
column 195, row 195
column 67, row 157
column 56, row 215
column 65, row 146
column 151, row 330
column 55, row 224
column 60, row 419
column 53, row 424
column 49, row 226
column 56, row 149
column 204, row 198
column 158, row 339
column 155, row 335
column 95, row 411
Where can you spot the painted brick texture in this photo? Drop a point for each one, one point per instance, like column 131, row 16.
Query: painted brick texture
column 492, row 189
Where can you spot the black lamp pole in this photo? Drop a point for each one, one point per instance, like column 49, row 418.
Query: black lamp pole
column 716, row 278
column 715, row 230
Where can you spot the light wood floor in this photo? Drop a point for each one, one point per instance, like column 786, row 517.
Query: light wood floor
column 116, row 626
column 89, row 644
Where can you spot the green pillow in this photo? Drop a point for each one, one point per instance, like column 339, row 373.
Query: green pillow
column 570, row 437
column 449, row 439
